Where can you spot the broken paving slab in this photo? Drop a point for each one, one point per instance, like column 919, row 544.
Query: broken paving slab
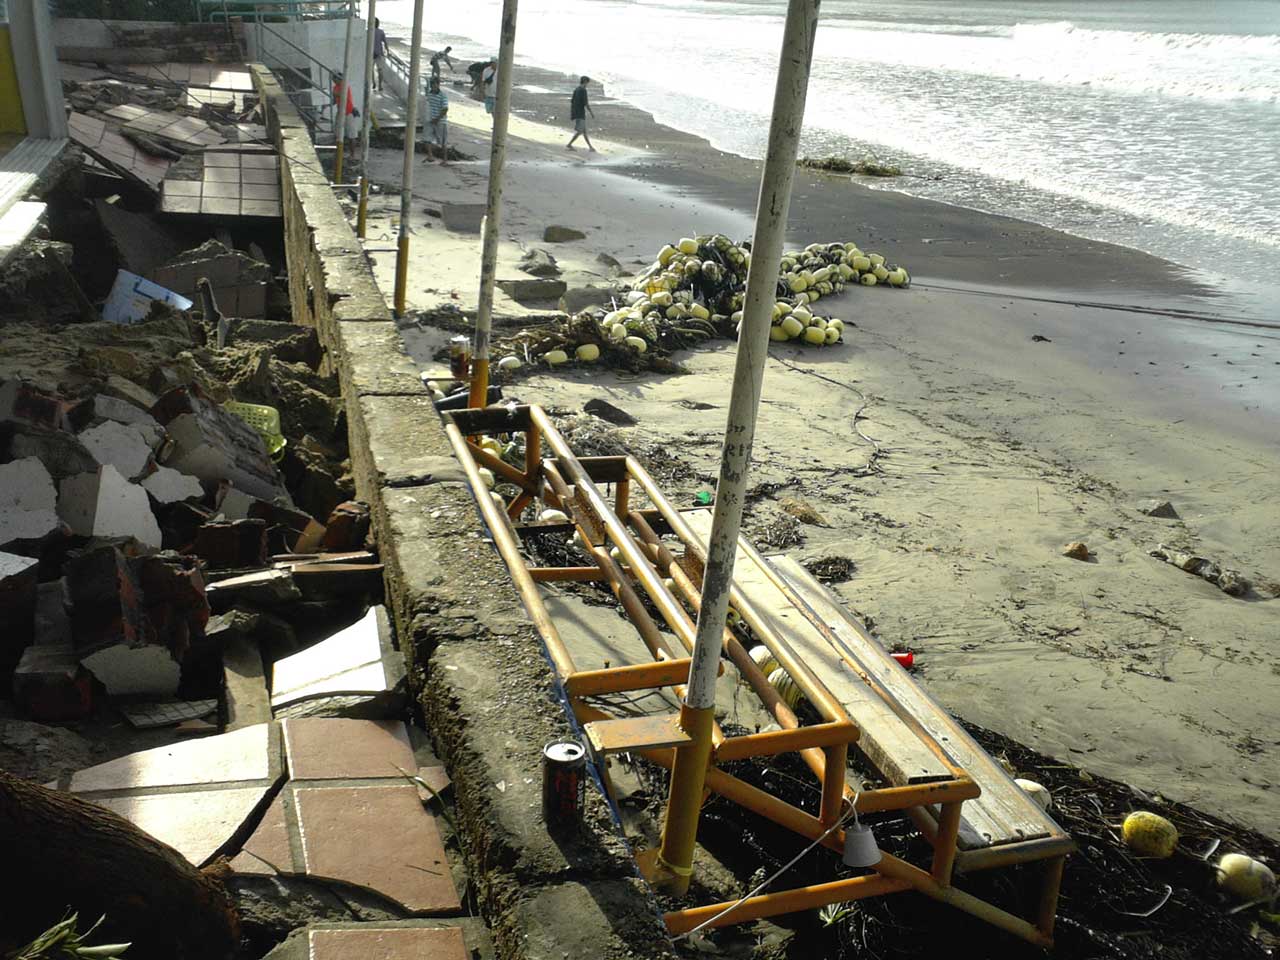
column 126, row 670
column 105, row 504
column 167, row 485
column 199, row 824
column 354, row 673
column 379, row 837
column 464, row 938
column 127, row 448
column 326, row 748
column 28, row 502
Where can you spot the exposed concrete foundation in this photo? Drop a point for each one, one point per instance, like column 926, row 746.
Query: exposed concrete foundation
column 476, row 662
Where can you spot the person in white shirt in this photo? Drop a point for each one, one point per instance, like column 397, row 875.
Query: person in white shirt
column 489, row 80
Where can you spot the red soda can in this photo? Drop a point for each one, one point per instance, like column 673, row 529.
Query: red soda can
column 907, row 659
column 564, row 771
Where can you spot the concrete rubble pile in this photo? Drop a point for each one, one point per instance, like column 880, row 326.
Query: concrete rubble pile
column 154, row 557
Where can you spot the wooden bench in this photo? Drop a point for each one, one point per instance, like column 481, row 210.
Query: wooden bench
column 907, row 736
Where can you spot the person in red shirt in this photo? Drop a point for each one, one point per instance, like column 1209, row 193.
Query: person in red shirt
column 350, row 126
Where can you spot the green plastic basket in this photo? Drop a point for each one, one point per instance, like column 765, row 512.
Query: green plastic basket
column 264, row 419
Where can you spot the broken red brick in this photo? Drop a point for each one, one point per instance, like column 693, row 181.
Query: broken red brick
column 50, row 685
column 347, row 527
column 27, row 403
column 232, row 544
column 106, row 599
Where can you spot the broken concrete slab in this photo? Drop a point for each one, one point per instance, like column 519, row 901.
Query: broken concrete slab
column 105, row 504
column 199, row 824
column 462, row 217
column 62, row 454
column 106, row 407
column 167, row 485
column 250, row 754
column 215, row 445
column 239, row 280
column 125, row 670
column 122, row 446
column 28, row 502
column 141, row 242
column 268, row 851
column 577, row 299
column 354, row 673
column 1161, row 509
column 533, row 291
column 560, row 234
column 244, row 684
column 50, row 685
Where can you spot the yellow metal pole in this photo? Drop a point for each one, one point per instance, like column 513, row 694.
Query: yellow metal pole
column 406, row 177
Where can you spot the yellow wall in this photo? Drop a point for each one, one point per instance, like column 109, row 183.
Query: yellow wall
column 11, row 117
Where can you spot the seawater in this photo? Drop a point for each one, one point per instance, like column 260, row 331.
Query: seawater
column 1150, row 123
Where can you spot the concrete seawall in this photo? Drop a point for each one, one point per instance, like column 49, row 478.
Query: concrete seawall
column 484, row 687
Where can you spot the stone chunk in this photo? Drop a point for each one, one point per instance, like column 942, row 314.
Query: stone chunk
column 105, row 504
column 123, row 447
column 577, row 299
column 28, row 502
column 1161, row 509
column 559, row 234
column 19, row 589
column 533, row 291
column 107, row 407
column 1076, row 550
column 539, row 263
column 167, row 485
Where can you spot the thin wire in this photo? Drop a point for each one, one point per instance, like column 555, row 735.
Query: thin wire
column 851, row 812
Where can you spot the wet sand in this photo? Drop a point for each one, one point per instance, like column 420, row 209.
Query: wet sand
column 994, row 450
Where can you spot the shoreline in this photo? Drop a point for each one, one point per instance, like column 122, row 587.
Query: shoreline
column 999, row 449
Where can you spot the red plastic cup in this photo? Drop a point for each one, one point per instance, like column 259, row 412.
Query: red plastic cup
column 907, row 659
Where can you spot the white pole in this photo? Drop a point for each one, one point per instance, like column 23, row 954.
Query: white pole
column 406, row 178
column 493, row 205
column 753, row 343
column 368, row 114
column 344, row 92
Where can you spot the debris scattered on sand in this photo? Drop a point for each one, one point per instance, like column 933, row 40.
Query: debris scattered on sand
column 559, row 234
column 539, row 263
column 1161, row 509
column 608, row 412
column 1037, row 338
column 770, row 527
column 802, row 511
column 831, row 569
column 1229, row 581
column 1076, row 550
column 868, row 166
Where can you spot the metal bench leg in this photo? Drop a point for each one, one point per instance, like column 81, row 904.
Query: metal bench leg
column 944, row 843
column 1048, row 910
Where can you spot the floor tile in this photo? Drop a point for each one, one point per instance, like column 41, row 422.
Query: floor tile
column 372, row 943
column 377, row 837
column 350, row 661
column 230, row 757
column 267, row 850
column 195, row 823
column 329, row 749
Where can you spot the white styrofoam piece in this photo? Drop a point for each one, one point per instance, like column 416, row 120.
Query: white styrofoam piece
column 28, row 501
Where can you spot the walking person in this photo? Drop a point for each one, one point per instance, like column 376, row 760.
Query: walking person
column 438, row 119
column 379, row 52
column 436, row 58
column 489, row 80
column 350, row 125
column 578, row 110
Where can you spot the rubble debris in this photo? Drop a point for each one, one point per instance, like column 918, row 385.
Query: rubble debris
column 105, row 504
column 559, row 234
column 26, row 403
column 802, row 511
column 1076, row 550
column 140, row 243
column 28, row 503
column 611, row 264
column 232, row 544
column 831, row 569
column 214, row 445
column 179, row 523
column 347, row 527
column 1231, row 582
column 244, row 684
column 1161, row 509
column 240, row 280
column 52, row 624
column 62, row 454
column 539, row 263
column 321, row 581
column 576, row 299
column 268, row 588
column 37, row 285
column 774, row 528
column 41, row 753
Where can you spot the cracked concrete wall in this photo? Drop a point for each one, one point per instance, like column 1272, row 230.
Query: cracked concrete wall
column 485, row 687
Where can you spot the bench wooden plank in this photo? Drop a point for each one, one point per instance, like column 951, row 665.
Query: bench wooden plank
column 1004, row 813
column 891, row 746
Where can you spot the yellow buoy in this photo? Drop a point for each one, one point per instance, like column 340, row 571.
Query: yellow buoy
column 687, row 245
column 764, row 659
column 868, row 279
column 791, row 326
column 1149, row 834
column 787, row 688
column 554, row 357
column 815, row 336
column 587, row 352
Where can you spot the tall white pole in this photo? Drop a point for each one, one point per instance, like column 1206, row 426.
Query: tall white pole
column 493, row 205
column 362, row 215
column 672, row 865
column 344, row 92
column 410, row 141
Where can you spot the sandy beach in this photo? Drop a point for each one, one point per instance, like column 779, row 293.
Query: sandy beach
column 948, row 454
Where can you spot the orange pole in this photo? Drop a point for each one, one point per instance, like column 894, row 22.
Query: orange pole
column 1048, row 910
column 774, row 742
column 833, row 783
column 503, row 469
column 944, row 844
column 785, row 901
column 561, row 574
